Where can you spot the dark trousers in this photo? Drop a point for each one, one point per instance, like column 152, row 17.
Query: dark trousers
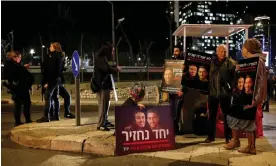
column 55, row 101
column 22, row 99
column 265, row 105
column 103, row 99
column 51, row 95
column 213, row 110
column 176, row 104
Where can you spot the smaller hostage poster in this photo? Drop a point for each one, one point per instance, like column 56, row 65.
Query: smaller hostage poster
column 245, row 80
column 172, row 76
column 147, row 130
column 196, row 71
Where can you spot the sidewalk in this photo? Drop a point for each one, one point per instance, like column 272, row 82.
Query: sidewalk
column 37, row 100
column 64, row 135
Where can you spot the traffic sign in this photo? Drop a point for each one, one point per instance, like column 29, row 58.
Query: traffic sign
column 75, row 63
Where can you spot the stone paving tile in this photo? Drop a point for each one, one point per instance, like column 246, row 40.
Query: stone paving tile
column 173, row 155
column 269, row 157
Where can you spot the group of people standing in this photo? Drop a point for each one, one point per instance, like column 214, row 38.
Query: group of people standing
column 221, row 83
column 20, row 81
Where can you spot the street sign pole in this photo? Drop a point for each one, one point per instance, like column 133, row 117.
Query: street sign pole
column 76, row 73
column 77, row 100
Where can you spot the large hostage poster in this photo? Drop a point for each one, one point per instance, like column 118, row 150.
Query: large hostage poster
column 172, row 76
column 245, row 81
column 196, row 71
column 150, row 129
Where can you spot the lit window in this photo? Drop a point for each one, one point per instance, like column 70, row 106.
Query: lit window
column 216, row 37
column 223, row 15
column 211, row 14
column 202, row 44
column 210, row 3
column 206, row 6
column 207, row 10
column 223, row 19
column 208, row 45
column 207, row 22
column 206, row 18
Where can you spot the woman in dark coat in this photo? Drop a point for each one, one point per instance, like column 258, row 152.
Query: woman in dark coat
column 103, row 69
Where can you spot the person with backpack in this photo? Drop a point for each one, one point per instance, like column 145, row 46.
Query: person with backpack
column 102, row 79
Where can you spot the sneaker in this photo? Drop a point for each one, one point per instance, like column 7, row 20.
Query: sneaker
column 209, row 140
column 69, row 116
column 43, row 119
column 108, row 124
column 29, row 121
column 18, row 124
column 103, row 128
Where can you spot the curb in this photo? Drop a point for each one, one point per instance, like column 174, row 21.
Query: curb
column 97, row 142
column 5, row 101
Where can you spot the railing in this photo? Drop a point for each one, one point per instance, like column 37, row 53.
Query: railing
column 125, row 69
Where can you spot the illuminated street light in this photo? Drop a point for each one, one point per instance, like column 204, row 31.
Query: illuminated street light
column 32, row 51
column 43, row 46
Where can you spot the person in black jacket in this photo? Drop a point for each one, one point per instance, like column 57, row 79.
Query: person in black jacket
column 52, row 71
column 221, row 78
column 55, row 107
column 102, row 76
column 20, row 81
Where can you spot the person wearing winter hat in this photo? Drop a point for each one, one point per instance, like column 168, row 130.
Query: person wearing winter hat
column 243, row 118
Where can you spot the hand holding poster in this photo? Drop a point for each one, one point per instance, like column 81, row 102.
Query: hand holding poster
column 196, row 72
column 172, row 76
column 145, row 130
column 245, row 74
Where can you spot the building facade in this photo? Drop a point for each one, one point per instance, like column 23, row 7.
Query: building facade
column 211, row 13
column 262, row 33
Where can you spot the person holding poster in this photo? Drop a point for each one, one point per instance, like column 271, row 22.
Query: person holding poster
column 176, row 100
column 242, row 118
column 220, row 87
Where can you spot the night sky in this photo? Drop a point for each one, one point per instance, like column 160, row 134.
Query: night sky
column 144, row 21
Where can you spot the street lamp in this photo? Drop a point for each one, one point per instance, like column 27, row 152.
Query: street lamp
column 113, row 28
column 32, row 52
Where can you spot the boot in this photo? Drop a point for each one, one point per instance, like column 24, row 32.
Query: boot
column 235, row 142
column 250, row 148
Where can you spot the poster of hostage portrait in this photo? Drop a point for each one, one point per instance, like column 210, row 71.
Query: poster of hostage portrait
column 244, row 87
column 147, row 130
column 196, row 71
column 172, row 76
